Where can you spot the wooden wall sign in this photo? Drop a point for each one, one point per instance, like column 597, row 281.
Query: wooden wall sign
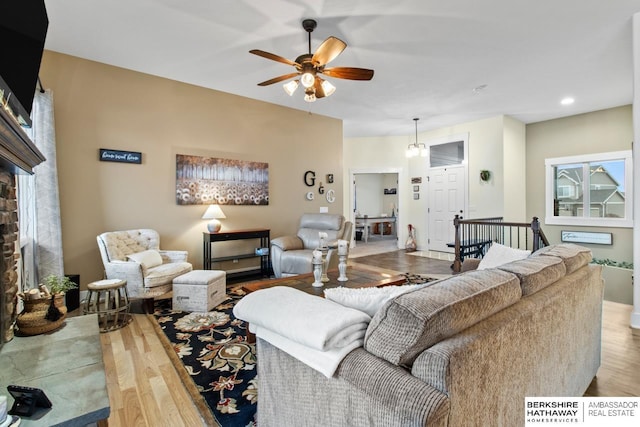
column 107, row 155
column 587, row 237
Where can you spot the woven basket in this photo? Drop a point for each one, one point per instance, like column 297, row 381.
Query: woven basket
column 32, row 320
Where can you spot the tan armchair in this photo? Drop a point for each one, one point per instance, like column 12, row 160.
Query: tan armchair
column 135, row 256
column 292, row 255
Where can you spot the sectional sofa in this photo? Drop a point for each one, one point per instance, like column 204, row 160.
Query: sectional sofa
column 463, row 351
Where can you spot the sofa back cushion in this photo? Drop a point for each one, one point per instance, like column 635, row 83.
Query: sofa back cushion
column 573, row 256
column 117, row 245
column 414, row 321
column 536, row 273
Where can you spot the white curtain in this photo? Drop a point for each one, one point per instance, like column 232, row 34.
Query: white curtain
column 39, row 201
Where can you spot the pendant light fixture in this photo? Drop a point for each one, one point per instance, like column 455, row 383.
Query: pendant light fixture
column 416, row 149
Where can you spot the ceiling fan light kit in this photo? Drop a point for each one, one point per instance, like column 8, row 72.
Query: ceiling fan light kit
column 291, row 87
column 309, row 66
column 307, row 79
column 309, row 95
column 327, row 87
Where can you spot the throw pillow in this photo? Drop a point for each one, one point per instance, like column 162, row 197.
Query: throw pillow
column 149, row 258
column 368, row 300
column 499, row 254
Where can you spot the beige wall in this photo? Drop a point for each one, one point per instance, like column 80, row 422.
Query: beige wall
column 99, row 106
column 596, row 132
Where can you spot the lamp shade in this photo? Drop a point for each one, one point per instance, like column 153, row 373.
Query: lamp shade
column 290, row 87
column 307, row 79
column 214, row 213
column 328, row 88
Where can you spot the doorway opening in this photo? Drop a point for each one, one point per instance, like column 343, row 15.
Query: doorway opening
column 375, row 205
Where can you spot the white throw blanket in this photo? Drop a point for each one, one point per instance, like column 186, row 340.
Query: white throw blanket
column 325, row 362
column 314, row 330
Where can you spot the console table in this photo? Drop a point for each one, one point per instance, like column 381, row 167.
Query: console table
column 366, row 222
column 210, row 256
column 67, row 365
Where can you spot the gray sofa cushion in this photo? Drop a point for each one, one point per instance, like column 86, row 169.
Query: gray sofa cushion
column 536, row 273
column 573, row 256
column 414, row 321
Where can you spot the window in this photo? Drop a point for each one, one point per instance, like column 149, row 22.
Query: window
column 448, row 154
column 592, row 189
column 565, row 191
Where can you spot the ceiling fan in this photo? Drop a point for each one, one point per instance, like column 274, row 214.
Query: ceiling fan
column 309, row 67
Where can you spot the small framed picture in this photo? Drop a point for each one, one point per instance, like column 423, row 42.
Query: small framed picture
column 416, row 180
column 330, row 178
column 416, row 196
column 416, row 188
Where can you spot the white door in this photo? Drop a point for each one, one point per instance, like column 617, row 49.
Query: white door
column 447, row 189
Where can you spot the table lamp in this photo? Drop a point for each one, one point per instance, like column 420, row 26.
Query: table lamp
column 214, row 213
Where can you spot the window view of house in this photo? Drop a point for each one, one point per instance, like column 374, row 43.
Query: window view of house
column 590, row 190
column 593, row 190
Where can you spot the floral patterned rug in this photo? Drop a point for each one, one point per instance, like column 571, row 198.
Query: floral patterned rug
column 216, row 357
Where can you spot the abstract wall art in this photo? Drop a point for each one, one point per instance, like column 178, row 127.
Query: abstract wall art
column 209, row 180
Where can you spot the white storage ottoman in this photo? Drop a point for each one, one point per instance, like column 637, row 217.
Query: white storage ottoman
column 199, row 290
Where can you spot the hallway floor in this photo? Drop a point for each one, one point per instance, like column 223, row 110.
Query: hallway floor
column 402, row 262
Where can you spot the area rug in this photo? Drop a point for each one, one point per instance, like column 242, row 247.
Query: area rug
column 416, row 279
column 216, row 363
column 214, row 359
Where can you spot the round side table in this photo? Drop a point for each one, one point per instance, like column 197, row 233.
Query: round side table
column 110, row 300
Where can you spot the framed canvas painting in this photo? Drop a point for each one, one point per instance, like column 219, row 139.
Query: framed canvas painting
column 211, row 180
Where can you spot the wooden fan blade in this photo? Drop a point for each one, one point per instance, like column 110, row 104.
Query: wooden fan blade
column 349, row 73
column 272, row 57
column 328, row 50
column 278, row 79
column 318, row 88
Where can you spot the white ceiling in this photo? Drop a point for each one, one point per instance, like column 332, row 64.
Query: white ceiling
column 428, row 55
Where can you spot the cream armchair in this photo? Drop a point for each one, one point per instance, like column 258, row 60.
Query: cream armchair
column 135, row 256
column 292, row 255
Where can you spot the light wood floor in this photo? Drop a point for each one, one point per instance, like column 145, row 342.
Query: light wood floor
column 619, row 373
column 145, row 390
column 144, row 387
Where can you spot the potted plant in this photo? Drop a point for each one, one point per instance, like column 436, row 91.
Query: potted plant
column 44, row 307
column 58, row 284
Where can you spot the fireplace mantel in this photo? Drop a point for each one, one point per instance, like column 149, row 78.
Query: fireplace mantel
column 18, row 154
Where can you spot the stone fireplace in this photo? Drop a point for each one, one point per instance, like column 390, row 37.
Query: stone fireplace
column 18, row 155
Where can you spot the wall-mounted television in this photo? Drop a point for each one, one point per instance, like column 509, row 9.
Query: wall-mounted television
column 23, row 28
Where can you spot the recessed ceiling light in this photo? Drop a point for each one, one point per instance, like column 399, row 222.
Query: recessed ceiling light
column 567, row 101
